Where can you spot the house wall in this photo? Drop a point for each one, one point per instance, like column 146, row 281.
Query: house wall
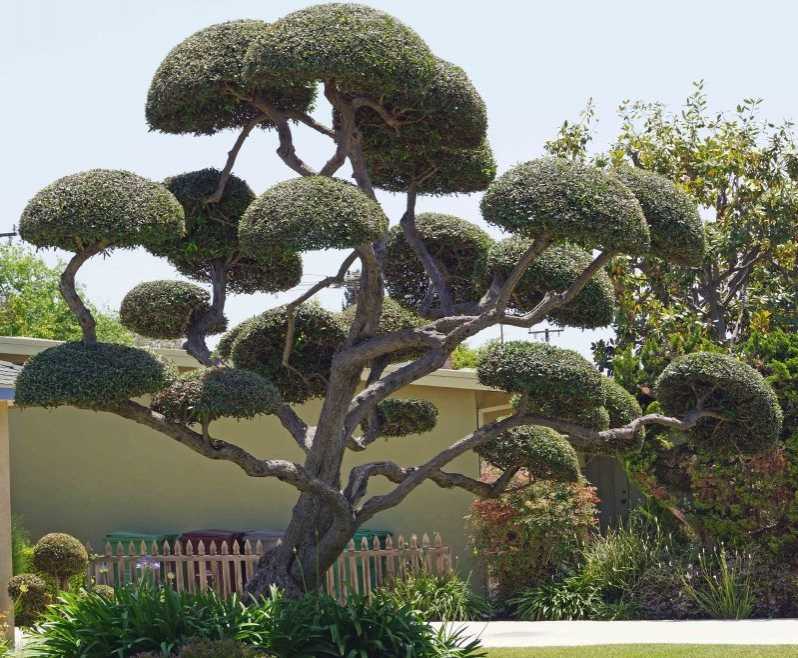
column 89, row 473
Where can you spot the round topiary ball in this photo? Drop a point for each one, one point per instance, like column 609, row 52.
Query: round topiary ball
column 90, row 376
column 394, row 317
column 204, row 395
column 224, row 349
column 543, row 372
column 165, row 309
column 541, row 451
column 622, row 406
column 30, row 595
column 310, row 212
column 194, row 89
column 567, row 201
column 101, row 208
column 104, row 591
column 459, row 247
column 362, row 49
column 60, row 556
column 677, row 233
column 748, row 413
column 317, row 336
column 555, row 270
column 402, row 417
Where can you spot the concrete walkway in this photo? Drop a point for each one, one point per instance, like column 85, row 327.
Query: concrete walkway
column 581, row 633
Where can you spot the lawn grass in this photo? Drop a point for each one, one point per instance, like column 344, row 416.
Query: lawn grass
column 649, row 651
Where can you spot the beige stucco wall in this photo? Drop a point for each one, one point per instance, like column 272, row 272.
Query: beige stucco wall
column 89, row 473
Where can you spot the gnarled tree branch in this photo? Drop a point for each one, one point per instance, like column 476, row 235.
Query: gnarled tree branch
column 70, row 294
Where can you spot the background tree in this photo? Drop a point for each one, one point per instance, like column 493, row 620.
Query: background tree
column 405, row 121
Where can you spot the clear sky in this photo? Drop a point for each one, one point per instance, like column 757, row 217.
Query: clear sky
column 75, row 75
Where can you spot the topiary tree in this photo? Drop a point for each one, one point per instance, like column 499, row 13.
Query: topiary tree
column 61, row 557
column 30, row 595
column 406, row 122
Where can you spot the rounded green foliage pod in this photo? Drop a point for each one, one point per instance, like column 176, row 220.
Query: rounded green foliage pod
column 544, row 372
column 394, row 317
column 105, row 591
column 749, row 413
column 402, row 417
column 278, row 270
column 224, row 349
column 311, row 212
column 556, row 269
column 101, row 208
column 30, row 595
column 622, row 406
column 204, row 395
column 195, row 88
column 593, row 418
column 317, row 336
column 362, row 49
column 567, row 201
column 165, row 309
column 60, row 556
column 541, row 451
column 459, row 247
column 90, row 376
column 677, row 234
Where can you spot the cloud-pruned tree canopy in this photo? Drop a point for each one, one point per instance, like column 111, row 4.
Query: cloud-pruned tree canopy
column 101, row 208
column 165, row 309
column 398, row 417
column 203, row 395
column 197, row 87
column 97, row 376
column 393, row 317
column 747, row 413
column 621, row 405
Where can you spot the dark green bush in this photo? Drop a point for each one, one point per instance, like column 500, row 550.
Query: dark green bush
column 659, row 593
column 218, row 649
column 568, row 201
column 621, row 405
column 206, row 394
column 750, row 413
column 60, row 556
column 165, row 309
column 565, row 600
column 556, row 269
column 31, row 596
column 311, row 212
column 459, row 247
column 398, row 417
column 187, row 93
column 101, row 207
column 90, row 376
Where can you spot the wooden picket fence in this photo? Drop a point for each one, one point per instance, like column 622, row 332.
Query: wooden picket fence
column 226, row 570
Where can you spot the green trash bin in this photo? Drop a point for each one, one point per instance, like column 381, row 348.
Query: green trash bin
column 135, row 569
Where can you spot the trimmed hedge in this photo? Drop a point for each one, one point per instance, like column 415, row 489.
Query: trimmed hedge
column 677, row 233
column 209, row 393
column 311, row 212
column 188, row 95
column 101, row 207
column 90, row 376
column 362, row 49
column 569, row 201
column 555, row 270
column 544, row 372
column 751, row 413
column 402, row 417
column 60, row 555
column 544, row 453
column 460, row 249
column 317, row 335
column 165, row 309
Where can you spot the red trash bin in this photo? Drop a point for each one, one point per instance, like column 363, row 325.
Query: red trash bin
column 211, row 574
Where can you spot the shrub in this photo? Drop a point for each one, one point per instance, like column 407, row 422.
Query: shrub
column 567, row 600
column 659, row 593
column 722, row 585
column 60, row 556
column 436, row 598
column 106, row 591
column 30, row 595
column 21, row 547
column 218, row 649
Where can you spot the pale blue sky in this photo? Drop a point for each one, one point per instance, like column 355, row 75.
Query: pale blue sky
column 75, row 76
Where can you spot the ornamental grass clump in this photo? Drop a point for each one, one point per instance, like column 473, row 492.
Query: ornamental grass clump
column 722, row 585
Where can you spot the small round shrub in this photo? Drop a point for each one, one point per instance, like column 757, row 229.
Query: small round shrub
column 568, row 201
column 622, row 406
column 402, row 417
column 105, row 591
column 60, row 556
column 555, row 270
column 362, row 49
column 101, row 207
column 218, row 649
column 459, row 247
column 165, row 309
column 543, row 372
column 209, row 393
column 750, row 415
column 317, row 336
column 30, row 595
column 189, row 92
column 90, row 376
column 311, row 212
column 677, row 234
column 541, row 451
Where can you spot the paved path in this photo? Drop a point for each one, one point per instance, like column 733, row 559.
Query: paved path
column 580, row 633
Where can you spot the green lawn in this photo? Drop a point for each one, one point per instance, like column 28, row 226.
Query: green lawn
column 649, row 651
